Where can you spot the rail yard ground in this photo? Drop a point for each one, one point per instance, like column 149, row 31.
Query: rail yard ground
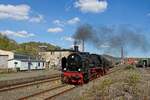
column 19, row 85
column 27, row 76
column 121, row 83
column 125, row 83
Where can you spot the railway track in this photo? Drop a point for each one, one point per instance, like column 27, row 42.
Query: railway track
column 53, row 96
column 46, row 93
column 49, row 93
column 31, row 83
column 112, row 71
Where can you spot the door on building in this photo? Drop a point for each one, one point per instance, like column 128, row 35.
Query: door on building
column 63, row 63
column 145, row 63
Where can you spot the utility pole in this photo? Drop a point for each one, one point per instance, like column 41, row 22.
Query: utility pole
column 29, row 64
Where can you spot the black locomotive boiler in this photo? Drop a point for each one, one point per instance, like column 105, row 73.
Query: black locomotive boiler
column 81, row 67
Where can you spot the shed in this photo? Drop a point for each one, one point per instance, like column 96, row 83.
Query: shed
column 3, row 61
column 26, row 64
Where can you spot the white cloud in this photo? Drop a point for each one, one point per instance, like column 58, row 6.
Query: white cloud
column 55, row 30
column 105, row 45
column 23, row 34
column 71, row 21
column 36, row 19
column 58, row 22
column 74, row 20
column 67, row 38
column 18, row 12
column 93, row 6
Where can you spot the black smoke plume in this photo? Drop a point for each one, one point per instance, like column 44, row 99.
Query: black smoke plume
column 113, row 37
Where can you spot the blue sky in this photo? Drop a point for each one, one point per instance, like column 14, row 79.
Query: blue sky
column 55, row 21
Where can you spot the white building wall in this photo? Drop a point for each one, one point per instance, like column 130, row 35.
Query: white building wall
column 53, row 58
column 37, row 65
column 11, row 64
column 23, row 65
column 9, row 53
column 3, row 62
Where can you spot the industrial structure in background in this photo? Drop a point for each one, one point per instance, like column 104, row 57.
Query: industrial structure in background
column 11, row 60
column 3, row 61
column 80, row 44
column 122, row 55
column 53, row 57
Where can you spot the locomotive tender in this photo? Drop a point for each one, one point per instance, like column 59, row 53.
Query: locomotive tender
column 81, row 67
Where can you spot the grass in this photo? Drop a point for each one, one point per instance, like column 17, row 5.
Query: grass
column 127, row 84
column 4, row 71
column 133, row 78
column 130, row 67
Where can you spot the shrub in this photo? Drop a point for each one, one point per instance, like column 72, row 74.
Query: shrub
column 133, row 78
column 130, row 67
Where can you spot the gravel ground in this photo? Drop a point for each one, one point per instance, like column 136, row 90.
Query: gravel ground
column 26, row 91
column 26, row 74
column 125, row 84
column 80, row 90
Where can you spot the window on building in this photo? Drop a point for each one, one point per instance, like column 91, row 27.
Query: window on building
column 39, row 64
column 43, row 63
column 52, row 52
column 15, row 63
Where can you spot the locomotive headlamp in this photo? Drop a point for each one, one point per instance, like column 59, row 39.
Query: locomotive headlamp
column 65, row 69
column 72, row 56
column 79, row 69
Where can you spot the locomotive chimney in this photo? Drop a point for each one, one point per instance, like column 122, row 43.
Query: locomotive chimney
column 76, row 48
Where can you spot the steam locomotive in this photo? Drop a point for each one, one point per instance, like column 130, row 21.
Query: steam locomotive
column 81, row 67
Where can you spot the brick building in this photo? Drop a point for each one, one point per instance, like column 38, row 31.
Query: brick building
column 53, row 57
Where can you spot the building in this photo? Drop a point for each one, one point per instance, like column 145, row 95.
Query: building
column 8, row 53
column 53, row 57
column 26, row 64
column 11, row 60
column 3, row 61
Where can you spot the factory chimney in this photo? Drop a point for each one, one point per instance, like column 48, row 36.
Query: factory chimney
column 82, row 45
column 76, row 48
column 122, row 55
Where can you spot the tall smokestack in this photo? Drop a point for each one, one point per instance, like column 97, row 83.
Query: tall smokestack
column 76, row 48
column 122, row 55
column 82, row 45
